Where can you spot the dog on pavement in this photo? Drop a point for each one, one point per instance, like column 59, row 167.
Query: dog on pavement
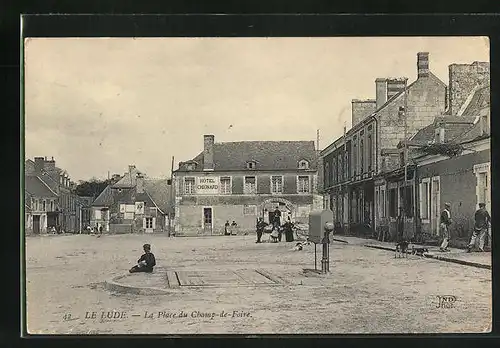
column 419, row 251
column 401, row 249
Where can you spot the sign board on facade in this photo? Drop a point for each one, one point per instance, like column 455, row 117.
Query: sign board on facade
column 130, row 208
column 139, row 207
column 207, row 185
column 123, row 208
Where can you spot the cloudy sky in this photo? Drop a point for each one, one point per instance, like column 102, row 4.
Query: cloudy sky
column 98, row 105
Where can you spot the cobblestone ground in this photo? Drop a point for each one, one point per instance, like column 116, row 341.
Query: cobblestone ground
column 368, row 290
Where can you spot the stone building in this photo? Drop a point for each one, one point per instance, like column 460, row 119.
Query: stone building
column 40, row 206
column 353, row 161
column 241, row 181
column 67, row 217
column 134, row 204
column 459, row 178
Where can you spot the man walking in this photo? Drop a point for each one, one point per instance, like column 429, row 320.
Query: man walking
column 260, row 229
column 481, row 228
column 444, row 226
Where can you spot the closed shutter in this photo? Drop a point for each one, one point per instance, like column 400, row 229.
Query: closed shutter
column 420, row 195
column 144, row 223
column 290, row 184
column 264, row 184
column 154, row 223
column 237, row 185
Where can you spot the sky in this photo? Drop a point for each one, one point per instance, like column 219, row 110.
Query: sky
column 98, row 105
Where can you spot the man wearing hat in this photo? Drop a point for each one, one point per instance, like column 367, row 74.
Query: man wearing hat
column 444, row 225
column 481, row 227
column 146, row 262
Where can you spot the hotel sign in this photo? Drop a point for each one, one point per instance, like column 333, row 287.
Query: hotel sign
column 207, row 185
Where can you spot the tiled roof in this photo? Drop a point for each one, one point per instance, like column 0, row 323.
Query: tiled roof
column 128, row 179
column 36, row 187
column 268, row 155
column 480, row 100
column 156, row 192
column 454, row 127
column 160, row 192
column 105, row 198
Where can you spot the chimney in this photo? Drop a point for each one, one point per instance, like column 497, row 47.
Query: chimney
column 208, row 154
column 422, row 64
column 139, row 183
column 394, row 86
column 50, row 165
column 362, row 109
column 439, row 133
column 131, row 168
column 39, row 165
column 380, row 91
column 464, row 78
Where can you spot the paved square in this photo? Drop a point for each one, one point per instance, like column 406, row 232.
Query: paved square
column 367, row 291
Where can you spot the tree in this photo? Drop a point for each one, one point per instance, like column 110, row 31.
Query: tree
column 92, row 187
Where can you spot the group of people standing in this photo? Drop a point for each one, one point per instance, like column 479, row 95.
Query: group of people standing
column 277, row 228
column 482, row 222
column 230, row 229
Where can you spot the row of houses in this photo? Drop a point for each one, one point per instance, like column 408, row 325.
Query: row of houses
column 49, row 199
column 436, row 134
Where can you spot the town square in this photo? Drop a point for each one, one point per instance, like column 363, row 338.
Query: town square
column 209, row 186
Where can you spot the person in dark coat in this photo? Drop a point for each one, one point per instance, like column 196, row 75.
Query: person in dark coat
column 400, row 226
column 277, row 222
column 482, row 222
column 146, row 262
column 226, row 228
column 288, row 228
column 260, row 229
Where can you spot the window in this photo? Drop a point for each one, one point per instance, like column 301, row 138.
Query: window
column 346, row 166
column 354, row 158
column 225, row 185
column 383, row 204
column 43, row 205
column 149, row 222
column 303, row 164
column 250, row 210
column 97, row 213
column 334, row 171
column 327, row 175
column 361, row 156
column 250, row 186
column 189, row 184
column 303, row 184
column 425, row 199
column 51, row 205
column 370, row 149
column 393, row 203
column 190, row 166
column 276, row 184
column 251, row 165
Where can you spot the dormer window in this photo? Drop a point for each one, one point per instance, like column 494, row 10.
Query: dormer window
column 251, row 165
column 190, row 166
column 303, row 164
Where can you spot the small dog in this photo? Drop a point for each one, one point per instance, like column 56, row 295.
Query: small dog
column 401, row 249
column 419, row 251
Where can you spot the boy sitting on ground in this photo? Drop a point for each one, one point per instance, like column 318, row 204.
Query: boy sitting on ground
column 146, row 262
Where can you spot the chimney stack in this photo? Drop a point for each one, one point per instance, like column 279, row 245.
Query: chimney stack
column 139, row 183
column 422, row 64
column 380, row 91
column 394, row 86
column 362, row 109
column 208, row 154
column 39, row 165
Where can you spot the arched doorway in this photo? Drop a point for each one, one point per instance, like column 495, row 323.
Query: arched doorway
column 268, row 207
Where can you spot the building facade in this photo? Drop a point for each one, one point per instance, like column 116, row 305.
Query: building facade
column 242, row 181
column 134, row 204
column 353, row 162
column 67, row 213
column 41, row 206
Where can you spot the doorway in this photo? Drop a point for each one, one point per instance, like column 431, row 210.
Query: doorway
column 36, row 224
column 435, row 204
column 207, row 220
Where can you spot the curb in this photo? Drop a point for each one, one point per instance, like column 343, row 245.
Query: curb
column 113, row 285
column 436, row 257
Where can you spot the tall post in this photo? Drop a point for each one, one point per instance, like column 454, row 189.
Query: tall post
column 317, row 140
column 405, row 152
column 172, row 198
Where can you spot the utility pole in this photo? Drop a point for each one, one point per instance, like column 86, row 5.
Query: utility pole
column 172, row 199
column 405, row 150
